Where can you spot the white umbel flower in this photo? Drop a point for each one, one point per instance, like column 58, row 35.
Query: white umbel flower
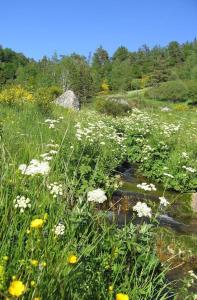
column 163, row 201
column 142, row 210
column 59, row 229
column 56, row 189
column 97, row 196
column 147, row 187
column 35, row 167
column 22, row 203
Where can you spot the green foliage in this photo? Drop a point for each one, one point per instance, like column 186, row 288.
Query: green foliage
column 111, row 106
column 45, row 96
column 174, row 91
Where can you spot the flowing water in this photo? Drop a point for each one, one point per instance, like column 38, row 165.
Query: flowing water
column 177, row 233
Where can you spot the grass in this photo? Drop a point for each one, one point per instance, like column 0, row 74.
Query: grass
column 90, row 147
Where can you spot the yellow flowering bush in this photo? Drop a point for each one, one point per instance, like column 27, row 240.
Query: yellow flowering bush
column 16, row 288
column 15, row 95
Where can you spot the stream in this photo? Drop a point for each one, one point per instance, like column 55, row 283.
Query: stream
column 177, row 230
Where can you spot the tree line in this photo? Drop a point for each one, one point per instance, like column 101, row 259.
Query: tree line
column 124, row 70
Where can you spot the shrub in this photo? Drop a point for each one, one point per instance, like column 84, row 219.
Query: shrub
column 44, row 97
column 112, row 106
column 15, row 95
column 174, row 91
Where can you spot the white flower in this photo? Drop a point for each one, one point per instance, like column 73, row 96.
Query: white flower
column 147, row 187
column 55, row 189
column 184, row 155
column 163, row 201
column 142, row 210
column 168, row 175
column 165, row 108
column 35, row 167
column 22, row 203
column 192, row 274
column 97, row 195
column 59, row 229
column 189, row 169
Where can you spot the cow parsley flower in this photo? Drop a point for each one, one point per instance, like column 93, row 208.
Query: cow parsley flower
column 147, row 187
column 59, row 229
column 163, row 201
column 189, row 169
column 142, row 210
column 22, row 203
column 55, row 189
column 97, row 196
column 35, row 167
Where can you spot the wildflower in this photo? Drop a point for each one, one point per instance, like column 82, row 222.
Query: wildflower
column 37, row 223
column 35, row 167
column 168, row 175
column 22, row 203
column 163, row 201
column 97, row 195
column 72, row 259
column 32, row 283
column 16, row 288
column 59, row 229
column 184, row 155
column 110, row 288
column 147, row 187
column 189, row 169
column 55, row 189
column 192, row 274
column 142, row 210
column 121, row 296
column 34, row 262
column 37, row 298
column 5, row 258
column 43, row 264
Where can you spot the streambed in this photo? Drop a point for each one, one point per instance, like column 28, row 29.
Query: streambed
column 177, row 233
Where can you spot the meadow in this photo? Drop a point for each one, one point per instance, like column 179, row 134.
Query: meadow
column 58, row 175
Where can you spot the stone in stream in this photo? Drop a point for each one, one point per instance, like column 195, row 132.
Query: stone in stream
column 68, row 100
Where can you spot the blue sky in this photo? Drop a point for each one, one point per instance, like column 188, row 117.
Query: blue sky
column 39, row 27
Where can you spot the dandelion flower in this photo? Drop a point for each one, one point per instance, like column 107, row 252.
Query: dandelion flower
column 16, row 288
column 34, row 262
column 37, row 223
column 121, row 296
column 72, row 259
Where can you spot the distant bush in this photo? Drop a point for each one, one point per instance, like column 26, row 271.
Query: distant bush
column 112, row 106
column 15, row 95
column 174, row 91
column 44, row 97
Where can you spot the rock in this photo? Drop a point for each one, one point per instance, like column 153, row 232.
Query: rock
column 165, row 108
column 194, row 202
column 68, row 100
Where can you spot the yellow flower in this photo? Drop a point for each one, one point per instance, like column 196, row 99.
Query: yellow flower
column 37, row 298
column 110, row 288
column 34, row 262
column 5, row 257
column 121, row 296
column 72, row 259
column 37, row 223
column 32, row 283
column 43, row 264
column 16, row 288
